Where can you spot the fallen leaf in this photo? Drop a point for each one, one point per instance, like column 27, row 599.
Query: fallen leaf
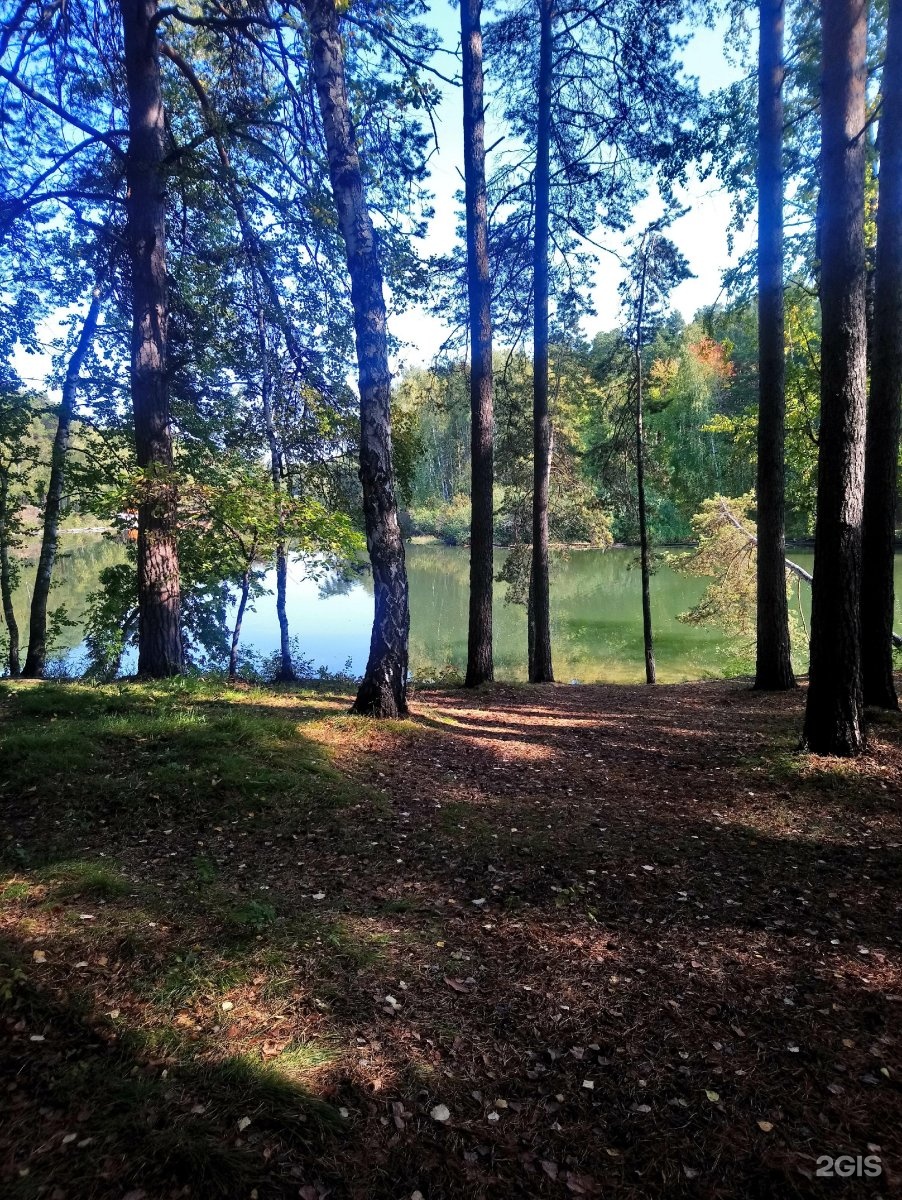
column 580, row 1185
column 456, row 985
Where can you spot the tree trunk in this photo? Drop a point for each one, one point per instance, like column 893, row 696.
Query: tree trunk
column 6, row 582
column 540, row 665
column 159, row 627
column 36, row 657
column 834, row 716
column 482, row 534
column 383, row 690
column 286, row 666
column 773, row 664
column 644, row 556
column 287, row 673
column 239, row 617
column 882, row 447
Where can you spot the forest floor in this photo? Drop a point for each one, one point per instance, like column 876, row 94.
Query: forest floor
column 531, row 942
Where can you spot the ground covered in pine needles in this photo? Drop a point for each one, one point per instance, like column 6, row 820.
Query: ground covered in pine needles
column 531, row 942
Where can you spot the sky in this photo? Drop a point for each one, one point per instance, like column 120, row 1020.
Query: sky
column 701, row 234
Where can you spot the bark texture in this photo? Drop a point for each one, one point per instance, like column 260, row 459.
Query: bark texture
column 540, row 665
column 834, row 716
column 480, row 667
column 383, row 690
column 159, row 626
column 773, row 664
column 882, row 446
column 6, row 581
column 36, row 658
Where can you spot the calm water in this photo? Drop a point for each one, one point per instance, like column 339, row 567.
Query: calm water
column 597, row 628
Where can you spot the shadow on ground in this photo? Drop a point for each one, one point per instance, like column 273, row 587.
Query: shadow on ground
column 633, row 943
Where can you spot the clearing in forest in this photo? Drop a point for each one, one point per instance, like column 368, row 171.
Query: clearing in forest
column 531, row 942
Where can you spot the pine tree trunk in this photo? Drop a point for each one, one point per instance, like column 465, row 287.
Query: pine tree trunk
column 159, row 626
column 773, row 665
column 36, row 658
column 648, row 640
column 383, row 690
column 239, row 618
column 882, row 447
column 482, row 534
column 644, row 554
column 540, row 665
column 6, row 582
column 834, row 716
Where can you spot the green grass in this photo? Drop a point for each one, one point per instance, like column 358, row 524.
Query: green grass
column 157, row 753
column 190, row 975
column 158, row 1130
column 15, row 891
column 204, row 870
column 249, row 916
column 95, row 880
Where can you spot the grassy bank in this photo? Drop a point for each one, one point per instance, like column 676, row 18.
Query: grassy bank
column 631, row 942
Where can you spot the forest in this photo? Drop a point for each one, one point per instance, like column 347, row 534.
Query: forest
column 449, row 653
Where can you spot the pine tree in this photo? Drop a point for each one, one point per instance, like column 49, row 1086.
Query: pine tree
column 882, row 444
column 773, row 663
column 834, row 714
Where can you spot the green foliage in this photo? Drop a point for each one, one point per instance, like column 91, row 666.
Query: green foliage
column 231, row 521
column 250, row 916
column 450, row 522
column 725, row 553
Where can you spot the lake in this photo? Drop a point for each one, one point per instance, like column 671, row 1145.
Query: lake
column 596, row 625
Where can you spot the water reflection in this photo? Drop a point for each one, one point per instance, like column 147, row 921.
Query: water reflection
column 596, row 625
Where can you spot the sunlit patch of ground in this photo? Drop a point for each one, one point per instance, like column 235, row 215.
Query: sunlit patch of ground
column 629, row 940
